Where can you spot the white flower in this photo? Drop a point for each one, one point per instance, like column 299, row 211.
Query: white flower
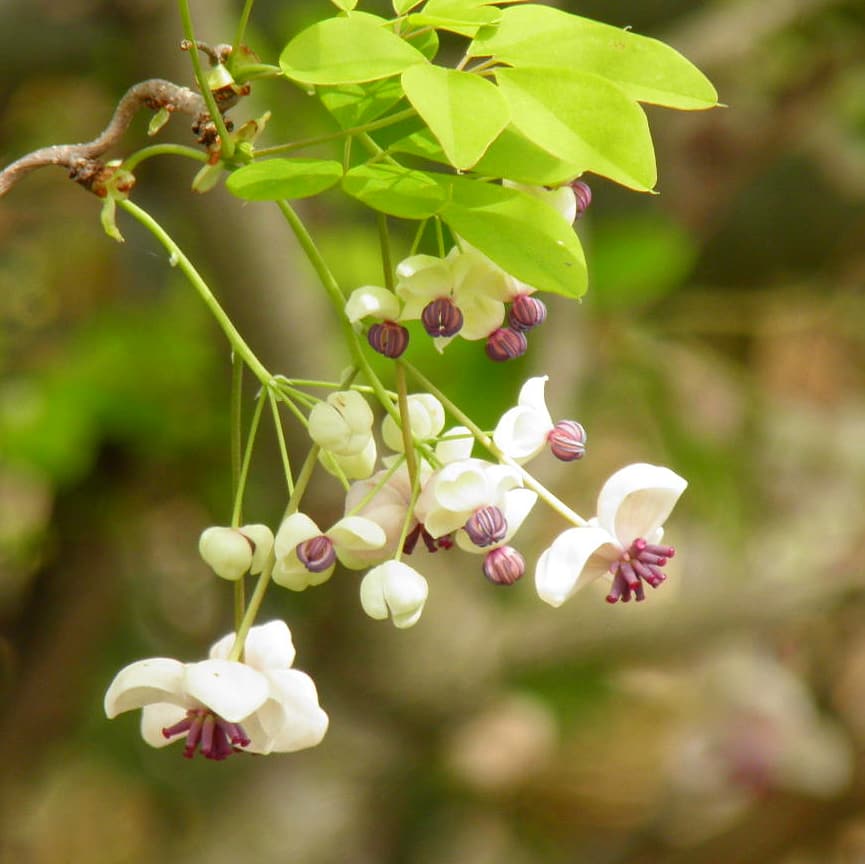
column 455, row 492
column 456, row 444
column 260, row 705
column 522, row 431
column 372, row 302
column 426, row 418
column 516, row 505
column 355, row 467
column 476, row 285
column 307, row 556
column 632, row 508
column 394, row 590
column 232, row 552
column 342, row 424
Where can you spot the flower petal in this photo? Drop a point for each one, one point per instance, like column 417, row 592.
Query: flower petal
column 269, row 646
column 372, row 301
column 231, row 690
column 456, row 444
column 302, row 721
column 637, row 500
column 156, row 717
column 295, row 528
column 159, row 679
column 576, row 557
column 353, row 535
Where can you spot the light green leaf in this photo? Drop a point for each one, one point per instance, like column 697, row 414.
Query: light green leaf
column 584, row 120
column 465, row 17
column 355, row 104
column 524, row 236
column 395, row 190
column 419, row 142
column 345, row 5
column 403, row 6
column 465, row 112
column 646, row 70
column 275, row 179
column 347, row 50
column 513, row 156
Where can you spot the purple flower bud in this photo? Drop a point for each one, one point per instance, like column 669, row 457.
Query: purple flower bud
column 526, row 312
column 583, row 194
column 486, row 526
column 567, row 440
column 316, row 554
column 506, row 344
column 503, row 566
column 388, row 338
column 442, row 317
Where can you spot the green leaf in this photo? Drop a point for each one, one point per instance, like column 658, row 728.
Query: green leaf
column 513, row 156
column 275, row 179
column 402, row 6
column 524, row 236
column 356, row 104
column 645, row 69
column 584, row 120
column 465, row 17
column 419, row 142
column 345, row 5
column 395, row 190
column 465, row 112
column 347, row 50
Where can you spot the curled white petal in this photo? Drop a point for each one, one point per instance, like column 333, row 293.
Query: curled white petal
column 373, row 302
column 354, row 537
column 576, row 557
column 158, row 679
column 267, row 646
column 302, row 721
column 342, row 424
column 456, row 444
column 395, row 590
column 522, row 431
column 227, row 551
column 156, row 717
column 562, row 200
column 426, row 418
column 637, row 500
column 262, row 539
column 231, row 690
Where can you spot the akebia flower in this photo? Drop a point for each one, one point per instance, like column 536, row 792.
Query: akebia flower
column 218, row 706
column 396, row 591
column 622, row 542
column 306, row 556
column 342, row 424
column 426, row 418
column 232, row 552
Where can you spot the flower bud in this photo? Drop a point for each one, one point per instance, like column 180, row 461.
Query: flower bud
column 388, row 338
column 504, row 566
column 316, row 554
column 232, row 552
column 394, row 590
column 583, row 194
column 567, row 440
column 342, row 424
column 486, row 526
column 506, row 344
column 442, row 317
column 526, row 312
column 426, row 418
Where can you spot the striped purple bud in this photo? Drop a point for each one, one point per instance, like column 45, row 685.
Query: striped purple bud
column 583, row 194
column 567, row 440
column 506, row 344
column 442, row 317
column 503, row 566
column 526, row 313
column 486, row 526
column 388, row 338
column 316, row 554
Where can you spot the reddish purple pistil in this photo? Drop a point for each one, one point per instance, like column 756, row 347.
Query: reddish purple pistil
column 205, row 731
column 316, row 554
column 641, row 562
column 433, row 544
column 487, row 525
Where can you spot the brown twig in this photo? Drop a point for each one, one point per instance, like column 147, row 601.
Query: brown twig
column 80, row 159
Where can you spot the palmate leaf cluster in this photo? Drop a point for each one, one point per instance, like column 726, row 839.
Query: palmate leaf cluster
column 541, row 97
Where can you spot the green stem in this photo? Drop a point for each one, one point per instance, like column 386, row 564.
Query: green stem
column 384, row 245
column 236, row 433
column 303, row 478
column 241, row 26
column 135, row 159
column 252, row 610
column 543, row 493
column 177, row 257
column 336, row 136
column 226, row 143
column 409, row 517
column 247, row 457
column 337, row 300
column 280, row 437
column 255, row 72
column 405, row 422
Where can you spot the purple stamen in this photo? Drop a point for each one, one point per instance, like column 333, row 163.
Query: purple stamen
column 442, row 317
column 567, row 440
column 205, row 731
column 640, row 564
column 316, row 554
column 388, row 338
column 486, row 526
column 419, row 532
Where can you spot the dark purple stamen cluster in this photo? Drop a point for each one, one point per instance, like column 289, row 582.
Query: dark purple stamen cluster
column 583, row 193
column 506, row 344
column 526, row 313
column 388, row 338
column 504, row 566
column 567, row 440
column 442, row 317
column 486, row 526
column 205, row 731
column 433, row 544
column 641, row 562
column 316, row 554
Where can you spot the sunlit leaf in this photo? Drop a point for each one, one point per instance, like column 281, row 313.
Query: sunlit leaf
column 395, row 190
column 465, row 17
column 583, row 120
column 347, row 50
column 345, row 5
column 465, row 112
column 513, row 156
column 275, row 179
column 355, row 104
column 646, row 69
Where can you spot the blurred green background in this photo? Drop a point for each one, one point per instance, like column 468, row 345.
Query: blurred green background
column 723, row 335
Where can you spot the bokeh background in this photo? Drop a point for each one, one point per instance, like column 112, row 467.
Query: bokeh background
column 723, row 720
